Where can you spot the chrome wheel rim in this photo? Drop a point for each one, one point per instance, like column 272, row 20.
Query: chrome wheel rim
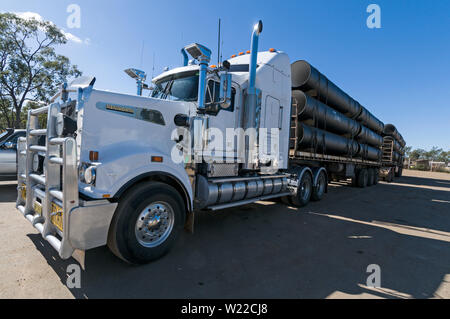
column 305, row 189
column 154, row 224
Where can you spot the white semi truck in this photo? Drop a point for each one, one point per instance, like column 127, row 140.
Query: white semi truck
column 130, row 171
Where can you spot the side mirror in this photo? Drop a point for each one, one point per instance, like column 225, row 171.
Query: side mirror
column 10, row 146
column 225, row 90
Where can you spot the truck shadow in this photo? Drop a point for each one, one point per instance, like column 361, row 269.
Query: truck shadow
column 268, row 250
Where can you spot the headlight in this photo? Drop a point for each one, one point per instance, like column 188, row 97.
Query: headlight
column 89, row 174
column 65, row 125
column 35, row 163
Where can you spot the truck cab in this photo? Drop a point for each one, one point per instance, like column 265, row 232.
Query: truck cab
column 130, row 171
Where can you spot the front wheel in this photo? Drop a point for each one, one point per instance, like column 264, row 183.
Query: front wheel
column 146, row 223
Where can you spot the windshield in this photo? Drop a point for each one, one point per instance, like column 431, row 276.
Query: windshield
column 177, row 87
column 4, row 135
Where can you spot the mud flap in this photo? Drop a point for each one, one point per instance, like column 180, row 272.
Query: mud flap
column 189, row 224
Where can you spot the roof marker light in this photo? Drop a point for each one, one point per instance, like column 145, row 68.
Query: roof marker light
column 272, row 50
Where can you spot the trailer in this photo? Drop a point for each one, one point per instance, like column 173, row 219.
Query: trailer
column 130, row 172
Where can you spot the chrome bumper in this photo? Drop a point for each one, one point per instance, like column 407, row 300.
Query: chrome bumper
column 85, row 227
column 85, row 224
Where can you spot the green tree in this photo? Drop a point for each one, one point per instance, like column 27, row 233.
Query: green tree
column 408, row 150
column 417, row 154
column 433, row 154
column 443, row 157
column 30, row 69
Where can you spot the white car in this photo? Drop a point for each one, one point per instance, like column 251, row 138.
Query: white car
column 8, row 156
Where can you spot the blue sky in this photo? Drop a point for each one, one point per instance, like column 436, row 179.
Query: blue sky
column 400, row 72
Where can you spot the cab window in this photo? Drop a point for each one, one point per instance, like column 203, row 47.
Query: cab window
column 213, row 94
column 178, row 87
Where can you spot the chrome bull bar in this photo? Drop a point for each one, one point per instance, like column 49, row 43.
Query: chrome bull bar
column 59, row 183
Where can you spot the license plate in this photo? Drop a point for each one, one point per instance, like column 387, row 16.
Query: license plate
column 37, row 208
column 57, row 216
column 24, row 192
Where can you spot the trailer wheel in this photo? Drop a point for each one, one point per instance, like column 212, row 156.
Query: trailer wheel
column 362, row 178
column 371, row 177
column 376, row 178
column 390, row 176
column 286, row 200
column 304, row 191
column 146, row 223
column 319, row 190
column 399, row 172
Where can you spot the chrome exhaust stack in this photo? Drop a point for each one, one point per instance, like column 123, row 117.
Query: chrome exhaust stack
column 252, row 108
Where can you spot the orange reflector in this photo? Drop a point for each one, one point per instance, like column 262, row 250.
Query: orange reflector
column 213, row 66
column 93, row 156
column 106, row 196
column 233, row 56
column 157, row 159
column 248, row 52
column 272, row 50
column 241, row 53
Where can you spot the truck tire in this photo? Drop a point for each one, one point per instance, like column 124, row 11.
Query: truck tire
column 319, row 190
column 376, row 176
column 390, row 176
column 371, row 177
column 304, row 191
column 286, row 200
column 362, row 178
column 146, row 223
column 399, row 172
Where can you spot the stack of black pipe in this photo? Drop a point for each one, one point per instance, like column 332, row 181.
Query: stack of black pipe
column 390, row 132
column 331, row 122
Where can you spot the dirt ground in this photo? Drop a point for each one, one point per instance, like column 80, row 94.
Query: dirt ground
column 262, row 250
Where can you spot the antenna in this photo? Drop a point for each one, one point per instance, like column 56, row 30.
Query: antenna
column 142, row 53
column 221, row 48
column 218, row 46
column 153, row 67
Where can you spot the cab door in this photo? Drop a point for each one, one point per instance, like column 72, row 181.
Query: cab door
column 272, row 115
column 219, row 123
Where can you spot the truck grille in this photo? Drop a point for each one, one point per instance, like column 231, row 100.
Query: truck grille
column 47, row 195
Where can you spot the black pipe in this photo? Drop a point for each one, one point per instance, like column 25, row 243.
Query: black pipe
column 390, row 130
column 308, row 79
column 369, row 153
column 312, row 112
column 368, row 136
column 326, row 118
column 315, row 140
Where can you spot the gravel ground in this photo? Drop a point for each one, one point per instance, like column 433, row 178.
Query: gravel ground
column 262, row 250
